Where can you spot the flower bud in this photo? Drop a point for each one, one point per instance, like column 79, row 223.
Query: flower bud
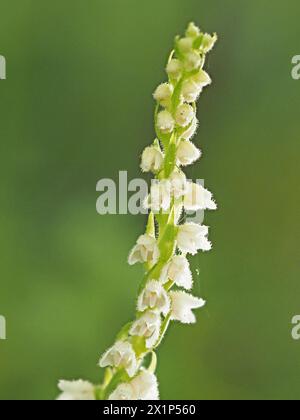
column 142, row 387
column 191, row 131
column 208, row 42
column 76, row 391
column 165, row 122
column 163, row 94
column 154, row 297
column 192, row 61
column 159, row 198
column 192, row 237
column 120, row 355
column 190, row 91
column 178, row 184
column 182, row 305
column 147, row 326
column 192, row 31
column 174, row 69
column 145, row 251
column 184, row 115
column 152, row 159
column 187, row 153
column 185, row 45
column 178, row 270
column 201, row 79
column 198, row 198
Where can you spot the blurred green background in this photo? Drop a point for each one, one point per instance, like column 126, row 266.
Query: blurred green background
column 77, row 107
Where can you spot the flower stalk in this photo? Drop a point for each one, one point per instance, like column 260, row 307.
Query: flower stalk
column 166, row 243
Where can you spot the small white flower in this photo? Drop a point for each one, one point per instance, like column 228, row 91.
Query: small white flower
column 143, row 387
column 193, row 237
column 120, row 355
column 185, row 45
column 152, row 159
column 209, row 42
column 192, row 61
column 145, row 251
column 187, row 153
column 198, row 198
column 192, row 31
column 160, row 197
column 182, row 305
column 76, row 391
column 165, row 122
column 190, row 91
column 163, row 94
column 184, row 115
column 178, row 270
column 174, row 69
column 178, row 184
column 154, row 297
column 148, row 326
column 191, row 131
column 146, row 386
column 201, row 79
column 124, row 392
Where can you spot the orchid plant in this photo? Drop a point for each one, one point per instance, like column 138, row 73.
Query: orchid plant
column 130, row 364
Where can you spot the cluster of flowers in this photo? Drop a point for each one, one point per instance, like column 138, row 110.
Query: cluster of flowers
column 163, row 249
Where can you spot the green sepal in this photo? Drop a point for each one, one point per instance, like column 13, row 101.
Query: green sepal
column 198, row 42
column 151, row 225
column 139, row 345
column 170, row 158
column 123, row 334
column 119, row 378
column 176, row 98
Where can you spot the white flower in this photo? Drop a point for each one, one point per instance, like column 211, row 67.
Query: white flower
column 191, row 131
column 154, row 297
column 143, row 387
column 185, row 45
column 124, row 392
column 160, row 197
column 120, row 355
column 146, row 250
column 201, row 79
column 182, row 305
column 163, row 94
column 192, row 237
column 192, row 61
column 198, row 198
column 146, row 386
column 208, row 42
column 187, row 153
column 190, row 91
column 192, row 31
column 174, row 69
column 178, row 184
column 76, row 391
column 178, row 270
column 165, row 122
column 152, row 159
column 148, row 326
column 184, row 115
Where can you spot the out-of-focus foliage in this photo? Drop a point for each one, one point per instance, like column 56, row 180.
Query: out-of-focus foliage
column 76, row 107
